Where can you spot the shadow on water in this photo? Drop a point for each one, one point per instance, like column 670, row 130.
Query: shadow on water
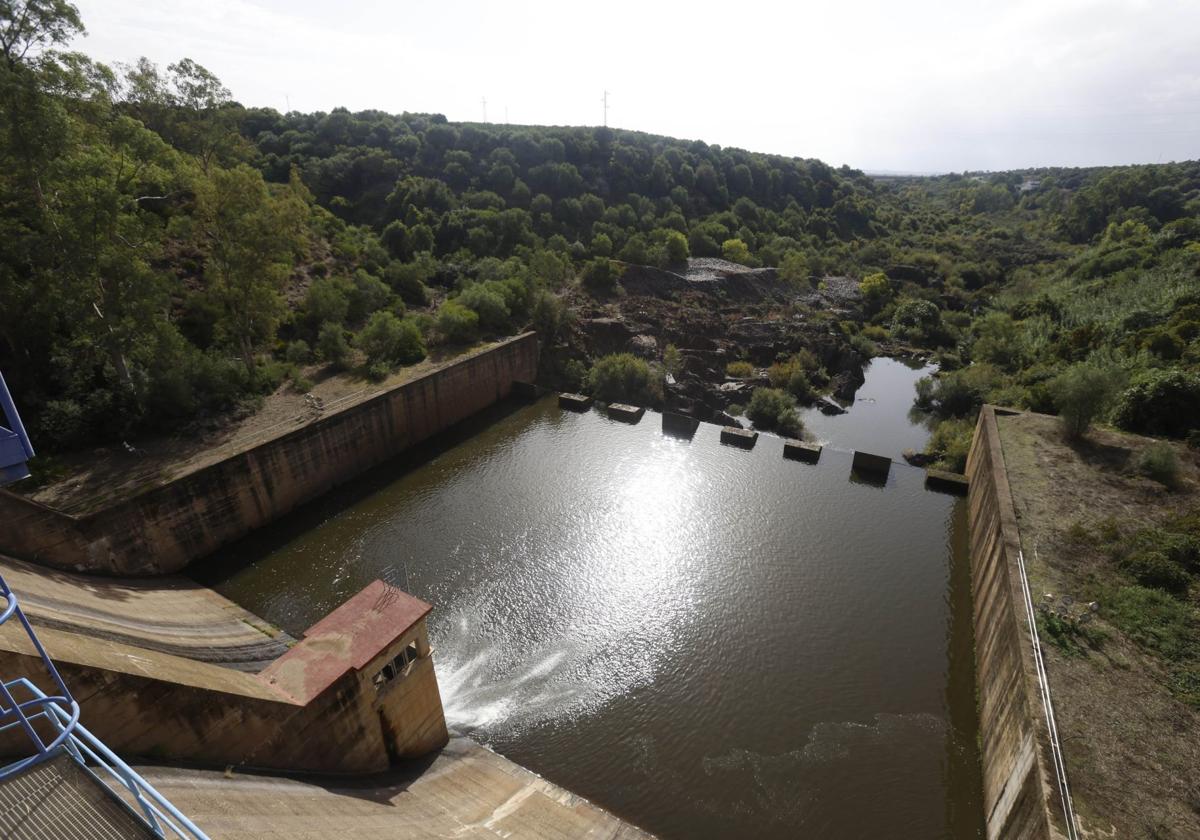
column 226, row 562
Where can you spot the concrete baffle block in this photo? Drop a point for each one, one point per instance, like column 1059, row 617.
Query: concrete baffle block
column 737, row 436
column 947, row 482
column 874, row 465
column 798, row 450
column 679, row 425
column 574, row 402
column 625, row 413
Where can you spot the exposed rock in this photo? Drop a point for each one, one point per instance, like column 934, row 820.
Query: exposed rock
column 645, row 346
column 828, row 406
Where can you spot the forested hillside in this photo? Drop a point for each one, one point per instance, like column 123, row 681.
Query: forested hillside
column 167, row 254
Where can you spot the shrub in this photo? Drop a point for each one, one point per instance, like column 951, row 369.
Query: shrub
column 1155, row 568
column 623, row 377
column 332, row 345
column 1159, row 462
column 297, row 352
column 600, row 276
column 549, row 316
column 1082, row 393
column 676, row 248
column 772, row 408
column 487, row 301
column 387, row 339
column 794, row 269
column 950, row 443
column 791, row 377
column 739, row 370
column 673, row 360
column 1160, row 402
column 735, row 250
column 1152, row 619
column 874, row 332
column 456, row 323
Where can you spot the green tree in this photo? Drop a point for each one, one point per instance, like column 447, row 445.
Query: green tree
column 772, row 408
column 735, row 250
column 623, row 377
column 390, row 340
column 456, row 323
column 676, row 248
column 250, row 235
column 1083, row 393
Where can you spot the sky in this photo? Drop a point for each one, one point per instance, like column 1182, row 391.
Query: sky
column 901, row 85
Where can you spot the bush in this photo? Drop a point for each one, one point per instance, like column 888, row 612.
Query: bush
column 950, row 443
column 676, row 248
column 791, row 377
column 1156, row 569
column 549, row 317
column 1153, row 620
column 739, row 370
column 735, row 250
column 623, row 377
column 1082, row 393
column 332, row 345
column 600, row 276
column 487, row 301
column 456, row 323
column 297, row 353
column 1160, row 402
column 772, row 408
column 1159, row 462
column 387, row 339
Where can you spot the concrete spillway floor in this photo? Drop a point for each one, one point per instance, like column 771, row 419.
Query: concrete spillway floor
column 466, row 791
column 169, row 614
column 59, row 800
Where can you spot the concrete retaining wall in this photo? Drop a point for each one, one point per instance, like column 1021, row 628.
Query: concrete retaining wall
column 1019, row 798
column 164, row 528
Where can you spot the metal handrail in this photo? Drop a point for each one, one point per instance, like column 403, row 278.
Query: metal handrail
column 62, row 702
column 62, row 713
column 87, row 750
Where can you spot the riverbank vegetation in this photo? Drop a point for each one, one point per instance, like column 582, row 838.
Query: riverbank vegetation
column 170, row 254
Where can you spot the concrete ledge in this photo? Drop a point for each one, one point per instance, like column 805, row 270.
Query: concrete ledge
column 947, row 482
column 679, row 425
column 626, row 413
column 574, row 402
column 798, row 450
column 736, row 436
column 865, row 462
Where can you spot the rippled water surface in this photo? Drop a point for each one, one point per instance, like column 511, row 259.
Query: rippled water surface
column 707, row 641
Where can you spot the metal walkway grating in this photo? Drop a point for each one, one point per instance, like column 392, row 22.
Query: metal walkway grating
column 59, row 800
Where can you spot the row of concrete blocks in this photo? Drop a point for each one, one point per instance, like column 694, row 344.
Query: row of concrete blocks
column 876, row 467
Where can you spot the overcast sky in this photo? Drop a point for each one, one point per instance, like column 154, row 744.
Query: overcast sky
column 910, row 85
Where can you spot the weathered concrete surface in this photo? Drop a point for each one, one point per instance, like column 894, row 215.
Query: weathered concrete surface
column 947, row 482
column 736, row 436
column 865, row 462
column 316, row 717
column 168, row 614
column 626, row 413
column 162, row 529
column 798, row 450
column 1019, row 798
column 574, row 402
column 465, row 792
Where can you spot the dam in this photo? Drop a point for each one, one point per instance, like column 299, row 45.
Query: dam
column 701, row 639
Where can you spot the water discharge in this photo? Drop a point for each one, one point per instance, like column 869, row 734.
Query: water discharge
column 710, row 642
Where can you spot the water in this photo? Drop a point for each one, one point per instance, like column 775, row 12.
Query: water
column 881, row 420
column 709, row 642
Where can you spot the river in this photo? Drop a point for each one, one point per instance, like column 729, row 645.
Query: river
column 707, row 641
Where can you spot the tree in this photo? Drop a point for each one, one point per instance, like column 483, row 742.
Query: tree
column 735, row 250
column 772, row 408
column 1082, row 393
column 793, row 268
column 456, row 323
column 390, row 340
column 332, row 345
column 676, row 248
column 250, row 235
column 876, row 290
column 29, row 26
column 624, row 377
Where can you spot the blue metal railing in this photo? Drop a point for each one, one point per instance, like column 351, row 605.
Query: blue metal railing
column 61, row 714
column 15, row 447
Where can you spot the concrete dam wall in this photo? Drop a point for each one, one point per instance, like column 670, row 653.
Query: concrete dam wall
column 163, row 528
column 1020, row 799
